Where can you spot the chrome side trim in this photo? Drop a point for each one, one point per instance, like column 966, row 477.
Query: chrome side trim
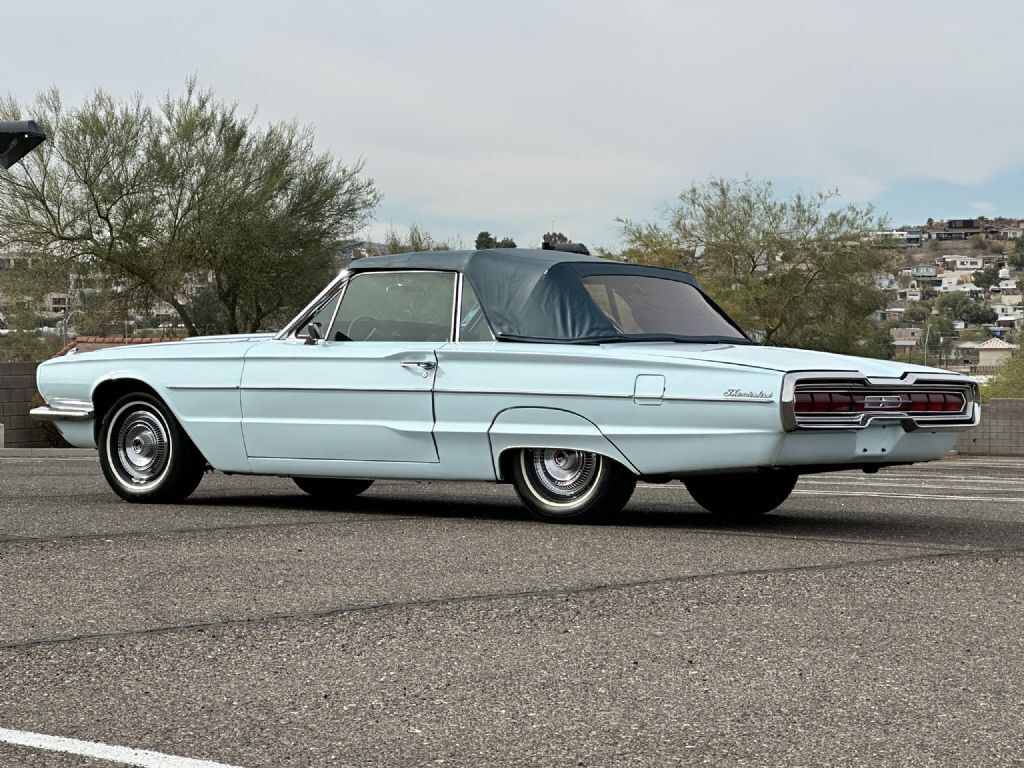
column 456, row 334
column 624, row 396
column 969, row 417
column 318, row 302
column 333, row 389
column 203, row 387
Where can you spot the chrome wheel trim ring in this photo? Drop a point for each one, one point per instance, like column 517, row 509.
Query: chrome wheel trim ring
column 139, row 446
column 561, row 477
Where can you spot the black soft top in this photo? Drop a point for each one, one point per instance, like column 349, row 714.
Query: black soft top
column 529, row 295
column 17, row 139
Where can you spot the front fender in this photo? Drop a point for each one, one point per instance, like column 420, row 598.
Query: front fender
column 548, row 428
column 201, row 392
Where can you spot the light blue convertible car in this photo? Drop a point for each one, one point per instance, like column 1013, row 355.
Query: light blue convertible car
column 570, row 377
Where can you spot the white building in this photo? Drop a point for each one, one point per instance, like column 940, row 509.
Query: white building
column 968, row 263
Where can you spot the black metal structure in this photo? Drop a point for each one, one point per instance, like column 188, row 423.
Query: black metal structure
column 17, row 139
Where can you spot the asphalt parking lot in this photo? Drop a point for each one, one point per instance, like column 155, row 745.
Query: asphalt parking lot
column 872, row 620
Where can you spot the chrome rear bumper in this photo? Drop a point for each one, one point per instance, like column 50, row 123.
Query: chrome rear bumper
column 64, row 410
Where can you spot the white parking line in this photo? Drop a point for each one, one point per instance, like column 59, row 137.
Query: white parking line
column 979, row 484
column 944, row 497
column 1006, row 461
column 123, row 755
column 839, row 490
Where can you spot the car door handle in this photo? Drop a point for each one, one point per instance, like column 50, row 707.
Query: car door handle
column 423, row 365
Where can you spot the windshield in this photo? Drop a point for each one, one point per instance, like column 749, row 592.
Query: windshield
column 641, row 306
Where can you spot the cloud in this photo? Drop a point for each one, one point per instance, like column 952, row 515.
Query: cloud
column 473, row 113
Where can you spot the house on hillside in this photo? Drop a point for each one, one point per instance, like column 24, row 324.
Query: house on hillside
column 904, row 340
column 949, row 283
column 967, row 263
column 993, row 354
column 909, row 294
column 922, row 271
column 954, row 229
column 885, row 281
column 1011, row 298
column 908, row 238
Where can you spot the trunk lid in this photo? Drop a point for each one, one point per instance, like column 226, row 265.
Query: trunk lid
column 782, row 359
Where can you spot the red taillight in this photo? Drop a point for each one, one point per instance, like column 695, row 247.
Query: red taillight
column 942, row 402
column 877, row 402
column 828, row 402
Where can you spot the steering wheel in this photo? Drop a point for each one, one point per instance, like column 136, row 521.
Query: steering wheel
column 356, row 333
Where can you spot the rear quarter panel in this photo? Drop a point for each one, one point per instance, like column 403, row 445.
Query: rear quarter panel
column 693, row 426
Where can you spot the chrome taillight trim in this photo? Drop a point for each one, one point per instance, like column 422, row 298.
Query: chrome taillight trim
column 969, row 415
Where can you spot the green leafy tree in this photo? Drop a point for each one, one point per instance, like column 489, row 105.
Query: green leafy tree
column 485, row 240
column 975, row 334
column 160, row 204
column 986, row 278
column 917, row 311
column 418, row 239
column 979, row 314
column 1015, row 258
column 791, row 271
column 955, row 305
column 1010, row 380
column 553, row 238
column 26, row 347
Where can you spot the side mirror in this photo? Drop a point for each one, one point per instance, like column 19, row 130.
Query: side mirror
column 313, row 334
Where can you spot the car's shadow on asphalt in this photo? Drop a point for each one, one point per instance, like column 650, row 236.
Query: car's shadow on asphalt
column 793, row 520
column 391, row 506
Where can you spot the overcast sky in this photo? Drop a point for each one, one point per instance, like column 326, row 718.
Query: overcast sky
column 508, row 116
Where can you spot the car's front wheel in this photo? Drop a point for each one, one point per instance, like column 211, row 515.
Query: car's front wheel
column 332, row 489
column 145, row 455
column 561, row 485
column 742, row 496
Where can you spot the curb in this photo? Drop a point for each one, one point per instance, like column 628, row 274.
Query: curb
column 47, row 453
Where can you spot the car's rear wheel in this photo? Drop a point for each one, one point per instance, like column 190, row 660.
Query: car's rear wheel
column 332, row 489
column 561, row 485
column 742, row 496
column 145, row 455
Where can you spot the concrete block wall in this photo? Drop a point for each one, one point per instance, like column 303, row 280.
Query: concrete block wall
column 17, row 386
column 1001, row 432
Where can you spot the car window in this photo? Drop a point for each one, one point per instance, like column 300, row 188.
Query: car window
column 638, row 305
column 472, row 323
column 321, row 317
column 396, row 306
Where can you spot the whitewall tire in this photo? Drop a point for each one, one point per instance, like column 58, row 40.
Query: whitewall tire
column 145, row 454
column 562, row 485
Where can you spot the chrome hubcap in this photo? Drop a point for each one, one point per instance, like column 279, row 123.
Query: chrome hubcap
column 143, row 447
column 564, row 474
